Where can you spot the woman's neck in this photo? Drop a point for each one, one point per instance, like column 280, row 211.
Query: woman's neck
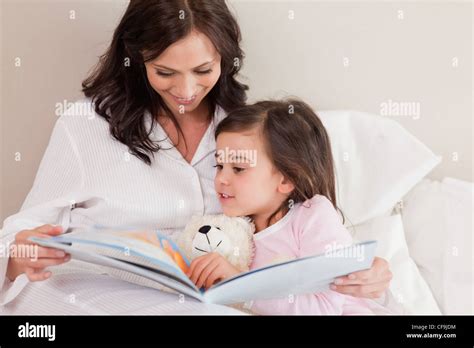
column 198, row 117
column 187, row 134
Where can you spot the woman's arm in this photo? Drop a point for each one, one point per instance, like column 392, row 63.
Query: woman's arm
column 60, row 173
column 371, row 283
column 35, row 262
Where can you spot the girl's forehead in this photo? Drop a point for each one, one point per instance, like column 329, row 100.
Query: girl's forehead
column 245, row 141
column 244, row 138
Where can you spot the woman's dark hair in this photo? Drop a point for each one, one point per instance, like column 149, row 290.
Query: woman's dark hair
column 295, row 141
column 119, row 87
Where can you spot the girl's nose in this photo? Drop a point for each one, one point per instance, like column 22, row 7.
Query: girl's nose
column 221, row 178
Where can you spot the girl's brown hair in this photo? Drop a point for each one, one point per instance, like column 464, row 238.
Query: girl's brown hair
column 295, row 141
column 119, row 85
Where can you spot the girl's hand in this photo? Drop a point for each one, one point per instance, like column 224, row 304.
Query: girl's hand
column 32, row 259
column 370, row 283
column 210, row 268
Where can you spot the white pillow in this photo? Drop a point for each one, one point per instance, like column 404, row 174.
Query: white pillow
column 438, row 225
column 408, row 287
column 377, row 162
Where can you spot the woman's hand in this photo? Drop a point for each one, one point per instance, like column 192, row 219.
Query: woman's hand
column 210, row 268
column 370, row 283
column 32, row 259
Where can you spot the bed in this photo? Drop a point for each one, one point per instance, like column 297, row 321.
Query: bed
column 86, row 294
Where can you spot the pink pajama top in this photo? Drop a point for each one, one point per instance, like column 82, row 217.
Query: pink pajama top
column 307, row 229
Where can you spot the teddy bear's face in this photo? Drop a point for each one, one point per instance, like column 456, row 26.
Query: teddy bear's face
column 231, row 237
column 210, row 238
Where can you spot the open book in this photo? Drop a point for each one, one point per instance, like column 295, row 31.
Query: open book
column 153, row 256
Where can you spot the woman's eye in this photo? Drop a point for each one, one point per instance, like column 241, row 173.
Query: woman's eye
column 164, row 74
column 238, row 170
column 204, row 72
column 167, row 74
column 218, row 166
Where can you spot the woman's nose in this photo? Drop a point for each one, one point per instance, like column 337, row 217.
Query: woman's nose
column 186, row 87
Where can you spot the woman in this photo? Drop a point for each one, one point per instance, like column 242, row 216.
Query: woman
column 144, row 154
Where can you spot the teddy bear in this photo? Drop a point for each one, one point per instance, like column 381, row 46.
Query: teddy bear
column 232, row 237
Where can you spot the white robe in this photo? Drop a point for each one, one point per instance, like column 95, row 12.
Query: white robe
column 85, row 178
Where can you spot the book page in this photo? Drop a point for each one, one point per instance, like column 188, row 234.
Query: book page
column 300, row 276
column 146, row 253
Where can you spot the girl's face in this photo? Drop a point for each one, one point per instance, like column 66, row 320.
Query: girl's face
column 185, row 72
column 246, row 181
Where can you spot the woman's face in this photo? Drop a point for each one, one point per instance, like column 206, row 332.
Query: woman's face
column 185, row 72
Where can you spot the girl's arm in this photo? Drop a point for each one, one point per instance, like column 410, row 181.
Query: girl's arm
column 210, row 268
column 316, row 227
column 371, row 283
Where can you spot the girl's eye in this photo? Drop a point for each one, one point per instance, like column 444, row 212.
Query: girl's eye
column 218, row 166
column 161, row 73
column 238, row 170
column 204, row 72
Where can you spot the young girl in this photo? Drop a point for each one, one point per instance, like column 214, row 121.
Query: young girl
column 274, row 164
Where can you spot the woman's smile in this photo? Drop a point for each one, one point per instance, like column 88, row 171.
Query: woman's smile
column 184, row 101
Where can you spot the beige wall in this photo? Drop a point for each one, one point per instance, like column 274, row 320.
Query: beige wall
column 335, row 55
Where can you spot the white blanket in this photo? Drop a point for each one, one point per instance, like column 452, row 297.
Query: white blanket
column 86, row 293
